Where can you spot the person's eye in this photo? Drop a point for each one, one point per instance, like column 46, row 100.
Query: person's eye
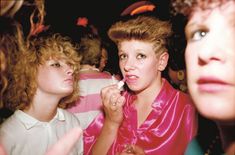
column 122, row 56
column 141, row 56
column 56, row 64
column 198, row 35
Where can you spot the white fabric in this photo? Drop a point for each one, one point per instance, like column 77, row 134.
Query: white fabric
column 98, row 83
column 22, row 134
column 86, row 118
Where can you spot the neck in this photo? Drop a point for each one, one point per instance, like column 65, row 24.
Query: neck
column 148, row 95
column 43, row 107
column 227, row 133
column 44, row 115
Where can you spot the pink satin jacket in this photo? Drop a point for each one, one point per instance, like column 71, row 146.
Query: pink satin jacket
column 167, row 130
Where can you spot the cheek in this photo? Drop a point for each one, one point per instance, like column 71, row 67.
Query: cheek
column 190, row 56
column 149, row 68
column 190, row 64
column 47, row 77
column 121, row 65
column 145, row 66
column 44, row 80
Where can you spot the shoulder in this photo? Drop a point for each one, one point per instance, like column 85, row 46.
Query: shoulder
column 68, row 116
column 181, row 100
column 10, row 122
column 10, row 127
column 186, row 99
column 175, row 94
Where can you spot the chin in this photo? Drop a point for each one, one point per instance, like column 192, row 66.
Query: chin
column 67, row 92
column 216, row 110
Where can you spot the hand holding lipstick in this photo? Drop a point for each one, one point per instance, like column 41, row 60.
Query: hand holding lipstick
column 121, row 83
column 113, row 102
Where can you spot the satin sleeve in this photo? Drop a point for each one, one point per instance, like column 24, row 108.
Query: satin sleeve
column 91, row 133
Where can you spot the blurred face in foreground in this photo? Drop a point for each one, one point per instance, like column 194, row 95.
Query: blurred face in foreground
column 210, row 59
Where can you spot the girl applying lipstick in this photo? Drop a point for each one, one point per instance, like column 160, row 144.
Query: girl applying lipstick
column 149, row 117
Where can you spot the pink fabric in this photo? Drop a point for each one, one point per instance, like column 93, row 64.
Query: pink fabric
column 167, row 130
column 87, row 103
column 90, row 85
column 101, row 75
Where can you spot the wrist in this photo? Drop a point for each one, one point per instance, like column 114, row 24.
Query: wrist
column 111, row 126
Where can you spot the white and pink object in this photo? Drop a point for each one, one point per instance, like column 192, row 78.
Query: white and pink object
column 121, row 83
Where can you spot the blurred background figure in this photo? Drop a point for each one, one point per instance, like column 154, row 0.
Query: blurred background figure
column 91, row 81
column 11, row 45
column 9, row 8
column 104, row 58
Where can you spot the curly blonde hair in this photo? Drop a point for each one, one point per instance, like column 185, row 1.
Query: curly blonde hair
column 144, row 28
column 25, row 72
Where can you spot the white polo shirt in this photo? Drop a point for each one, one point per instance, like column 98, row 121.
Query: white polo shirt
column 22, row 134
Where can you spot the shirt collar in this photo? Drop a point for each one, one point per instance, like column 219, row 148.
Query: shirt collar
column 165, row 96
column 29, row 121
column 59, row 115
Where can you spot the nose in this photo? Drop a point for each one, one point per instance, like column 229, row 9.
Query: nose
column 69, row 70
column 128, row 65
column 210, row 51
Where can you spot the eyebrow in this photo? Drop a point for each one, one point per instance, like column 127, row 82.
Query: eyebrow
column 187, row 27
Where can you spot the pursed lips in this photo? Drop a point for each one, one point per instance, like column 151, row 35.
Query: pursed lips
column 212, row 84
column 70, row 80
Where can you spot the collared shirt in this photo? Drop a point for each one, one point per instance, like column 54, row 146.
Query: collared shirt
column 22, row 134
column 167, row 130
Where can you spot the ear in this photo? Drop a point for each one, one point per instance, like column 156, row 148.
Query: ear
column 163, row 60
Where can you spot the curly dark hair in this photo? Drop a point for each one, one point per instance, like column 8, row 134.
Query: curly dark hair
column 186, row 7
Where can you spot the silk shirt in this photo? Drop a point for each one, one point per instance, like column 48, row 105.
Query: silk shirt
column 168, row 129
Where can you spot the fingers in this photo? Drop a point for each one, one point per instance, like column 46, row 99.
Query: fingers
column 129, row 149
column 111, row 97
column 113, row 104
column 106, row 93
column 120, row 101
column 66, row 143
column 138, row 150
column 116, row 102
column 132, row 150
